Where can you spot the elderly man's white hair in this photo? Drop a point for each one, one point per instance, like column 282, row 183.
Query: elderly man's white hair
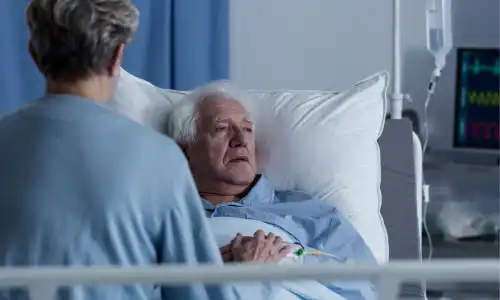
column 180, row 123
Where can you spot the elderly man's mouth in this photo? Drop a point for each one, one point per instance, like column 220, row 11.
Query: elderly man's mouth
column 239, row 159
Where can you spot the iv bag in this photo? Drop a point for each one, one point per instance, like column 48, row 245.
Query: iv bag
column 439, row 31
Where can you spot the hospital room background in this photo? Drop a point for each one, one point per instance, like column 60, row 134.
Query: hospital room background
column 320, row 44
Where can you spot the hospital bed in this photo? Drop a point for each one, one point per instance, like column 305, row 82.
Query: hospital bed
column 400, row 186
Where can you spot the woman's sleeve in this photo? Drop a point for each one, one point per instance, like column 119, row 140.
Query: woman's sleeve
column 185, row 236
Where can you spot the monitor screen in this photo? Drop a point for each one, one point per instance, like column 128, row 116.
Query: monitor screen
column 477, row 99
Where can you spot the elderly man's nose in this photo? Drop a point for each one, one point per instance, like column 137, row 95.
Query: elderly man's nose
column 238, row 139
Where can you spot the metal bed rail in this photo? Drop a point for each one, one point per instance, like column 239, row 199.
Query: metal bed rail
column 43, row 282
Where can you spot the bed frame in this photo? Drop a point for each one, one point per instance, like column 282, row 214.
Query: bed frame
column 401, row 196
column 42, row 282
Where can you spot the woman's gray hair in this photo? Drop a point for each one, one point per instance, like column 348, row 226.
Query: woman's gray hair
column 73, row 39
column 180, row 121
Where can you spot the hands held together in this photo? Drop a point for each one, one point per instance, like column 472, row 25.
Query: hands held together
column 259, row 248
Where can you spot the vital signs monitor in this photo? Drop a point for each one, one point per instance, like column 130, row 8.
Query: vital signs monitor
column 477, row 99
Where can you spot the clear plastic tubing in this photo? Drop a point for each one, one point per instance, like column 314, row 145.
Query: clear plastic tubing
column 439, row 30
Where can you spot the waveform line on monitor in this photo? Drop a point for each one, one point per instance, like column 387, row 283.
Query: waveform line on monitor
column 476, row 67
column 486, row 98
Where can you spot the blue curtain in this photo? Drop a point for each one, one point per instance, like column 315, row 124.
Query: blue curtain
column 180, row 44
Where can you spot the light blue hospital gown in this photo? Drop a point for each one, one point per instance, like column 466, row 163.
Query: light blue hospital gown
column 312, row 223
column 81, row 185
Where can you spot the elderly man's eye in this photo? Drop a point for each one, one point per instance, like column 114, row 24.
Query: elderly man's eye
column 220, row 128
column 248, row 129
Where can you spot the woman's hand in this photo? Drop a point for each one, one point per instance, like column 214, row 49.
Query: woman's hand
column 259, row 248
column 226, row 251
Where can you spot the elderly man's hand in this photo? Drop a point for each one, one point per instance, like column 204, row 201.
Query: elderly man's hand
column 259, row 248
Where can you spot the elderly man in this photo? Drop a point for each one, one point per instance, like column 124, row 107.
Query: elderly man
column 216, row 134
column 73, row 186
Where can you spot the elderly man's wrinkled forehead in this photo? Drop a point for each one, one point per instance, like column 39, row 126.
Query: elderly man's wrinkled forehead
column 216, row 109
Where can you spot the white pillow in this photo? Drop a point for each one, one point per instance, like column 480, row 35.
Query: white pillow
column 323, row 143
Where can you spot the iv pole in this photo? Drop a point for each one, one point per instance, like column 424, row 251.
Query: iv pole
column 396, row 96
column 396, row 103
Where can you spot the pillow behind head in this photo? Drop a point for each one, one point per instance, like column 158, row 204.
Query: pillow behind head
column 141, row 101
column 323, row 143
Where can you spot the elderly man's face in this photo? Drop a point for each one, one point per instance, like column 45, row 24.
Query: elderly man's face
column 225, row 147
